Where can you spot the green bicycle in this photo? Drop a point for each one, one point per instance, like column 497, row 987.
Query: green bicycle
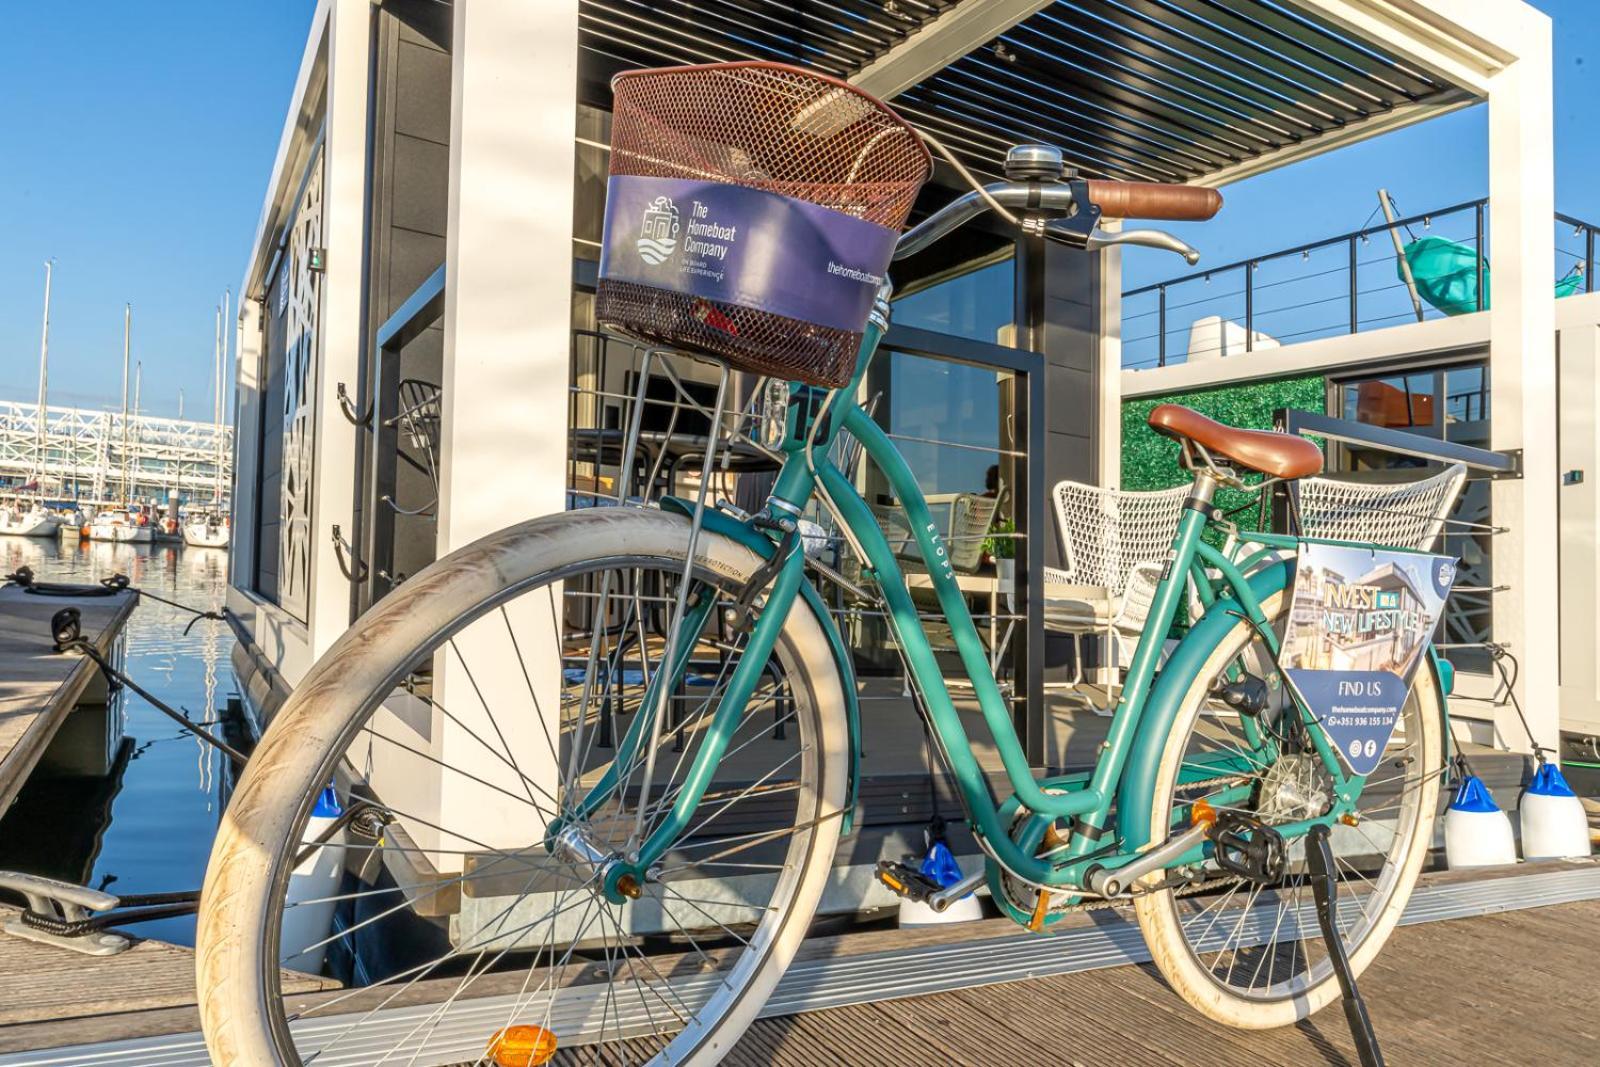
column 593, row 769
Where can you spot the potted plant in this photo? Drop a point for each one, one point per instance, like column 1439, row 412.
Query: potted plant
column 1001, row 546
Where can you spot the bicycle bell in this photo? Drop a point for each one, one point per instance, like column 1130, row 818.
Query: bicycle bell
column 1035, row 163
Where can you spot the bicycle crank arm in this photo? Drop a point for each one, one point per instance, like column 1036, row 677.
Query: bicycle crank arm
column 1110, row 882
column 945, row 897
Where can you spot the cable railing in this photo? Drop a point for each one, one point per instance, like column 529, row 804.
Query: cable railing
column 1416, row 268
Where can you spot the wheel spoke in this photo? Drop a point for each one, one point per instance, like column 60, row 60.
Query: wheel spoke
column 493, row 911
column 1261, row 943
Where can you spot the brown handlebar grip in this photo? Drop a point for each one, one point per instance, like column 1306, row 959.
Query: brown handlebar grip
column 1153, row 200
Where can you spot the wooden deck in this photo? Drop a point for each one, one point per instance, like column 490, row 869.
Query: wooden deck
column 1509, row 988
column 65, row 991
column 38, row 685
column 1506, row 987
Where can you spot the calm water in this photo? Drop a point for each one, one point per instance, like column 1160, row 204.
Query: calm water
column 147, row 826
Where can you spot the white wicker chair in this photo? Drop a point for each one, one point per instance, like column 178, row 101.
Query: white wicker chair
column 1408, row 514
column 1403, row 514
column 968, row 525
column 1113, row 544
column 965, row 531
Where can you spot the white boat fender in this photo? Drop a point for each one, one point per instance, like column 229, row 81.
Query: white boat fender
column 939, row 865
column 308, row 905
column 1554, row 825
column 1476, row 832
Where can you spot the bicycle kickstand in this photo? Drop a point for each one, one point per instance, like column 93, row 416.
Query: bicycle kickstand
column 1325, row 888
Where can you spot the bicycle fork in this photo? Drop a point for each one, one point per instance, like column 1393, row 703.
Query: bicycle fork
column 621, row 876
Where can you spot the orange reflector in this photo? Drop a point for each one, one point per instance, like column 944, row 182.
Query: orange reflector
column 1202, row 813
column 522, row 1046
column 1041, row 908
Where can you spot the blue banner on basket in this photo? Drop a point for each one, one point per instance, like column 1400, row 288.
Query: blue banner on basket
column 744, row 246
column 1358, row 629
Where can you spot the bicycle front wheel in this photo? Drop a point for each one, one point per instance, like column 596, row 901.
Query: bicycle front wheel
column 389, row 832
column 1250, row 954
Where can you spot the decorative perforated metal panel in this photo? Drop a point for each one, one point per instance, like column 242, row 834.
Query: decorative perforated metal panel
column 301, row 293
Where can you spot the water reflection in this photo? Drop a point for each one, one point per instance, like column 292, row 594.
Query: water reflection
column 147, row 826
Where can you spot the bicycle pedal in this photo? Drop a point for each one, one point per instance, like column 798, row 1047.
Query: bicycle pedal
column 905, row 882
column 1246, row 846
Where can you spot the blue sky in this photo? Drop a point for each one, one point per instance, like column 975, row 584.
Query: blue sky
column 1433, row 164
column 138, row 139
column 135, row 145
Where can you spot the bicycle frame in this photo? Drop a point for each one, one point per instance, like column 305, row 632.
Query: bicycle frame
column 1086, row 799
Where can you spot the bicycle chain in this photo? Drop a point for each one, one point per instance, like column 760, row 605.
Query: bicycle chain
column 1103, row 903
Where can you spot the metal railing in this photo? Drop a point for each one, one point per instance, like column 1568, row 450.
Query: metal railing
column 1582, row 257
column 1338, row 285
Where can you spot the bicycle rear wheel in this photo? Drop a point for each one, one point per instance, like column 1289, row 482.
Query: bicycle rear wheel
column 1250, row 955
column 438, row 907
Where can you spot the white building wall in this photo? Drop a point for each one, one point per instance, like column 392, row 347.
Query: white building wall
column 1522, row 366
column 507, row 362
column 1578, row 319
column 339, row 331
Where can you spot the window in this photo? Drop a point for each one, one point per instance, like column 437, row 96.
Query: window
column 974, row 300
column 1450, row 404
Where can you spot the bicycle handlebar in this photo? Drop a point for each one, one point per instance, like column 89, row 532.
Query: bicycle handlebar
column 1115, row 199
column 1154, row 200
column 1053, row 198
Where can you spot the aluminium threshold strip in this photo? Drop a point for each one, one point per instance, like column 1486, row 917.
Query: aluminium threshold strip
column 813, row 985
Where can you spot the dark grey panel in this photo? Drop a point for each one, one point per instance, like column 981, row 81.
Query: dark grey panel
column 1070, row 400
column 1072, row 313
column 1071, row 351
column 409, row 215
column 412, row 258
column 421, row 110
column 421, row 184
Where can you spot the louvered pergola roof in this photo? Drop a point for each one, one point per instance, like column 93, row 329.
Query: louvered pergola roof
column 1156, row 90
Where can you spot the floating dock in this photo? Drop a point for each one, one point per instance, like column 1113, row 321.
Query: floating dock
column 50, row 996
column 39, row 686
column 1477, row 949
column 978, row 993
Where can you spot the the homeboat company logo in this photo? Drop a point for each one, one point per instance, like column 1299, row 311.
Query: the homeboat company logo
column 658, row 233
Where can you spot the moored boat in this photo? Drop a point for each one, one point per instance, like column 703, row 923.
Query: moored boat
column 27, row 520
column 119, row 526
column 207, row 531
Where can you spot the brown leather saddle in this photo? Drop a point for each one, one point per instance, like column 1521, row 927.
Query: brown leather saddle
column 1278, row 455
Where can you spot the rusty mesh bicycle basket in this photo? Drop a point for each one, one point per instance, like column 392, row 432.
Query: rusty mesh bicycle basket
column 751, row 213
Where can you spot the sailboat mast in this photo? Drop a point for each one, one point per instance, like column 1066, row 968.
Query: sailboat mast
column 138, row 382
column 127, row 336
column 222, row 361
column 44, row 373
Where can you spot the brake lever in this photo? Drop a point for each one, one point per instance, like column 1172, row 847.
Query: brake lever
column 1149, row 239
column 1096, row 238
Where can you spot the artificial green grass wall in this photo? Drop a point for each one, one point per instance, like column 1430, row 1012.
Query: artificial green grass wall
column 1150, row 461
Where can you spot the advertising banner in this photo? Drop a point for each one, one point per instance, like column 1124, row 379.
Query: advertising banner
column 1359, row 625
column 744, row 246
